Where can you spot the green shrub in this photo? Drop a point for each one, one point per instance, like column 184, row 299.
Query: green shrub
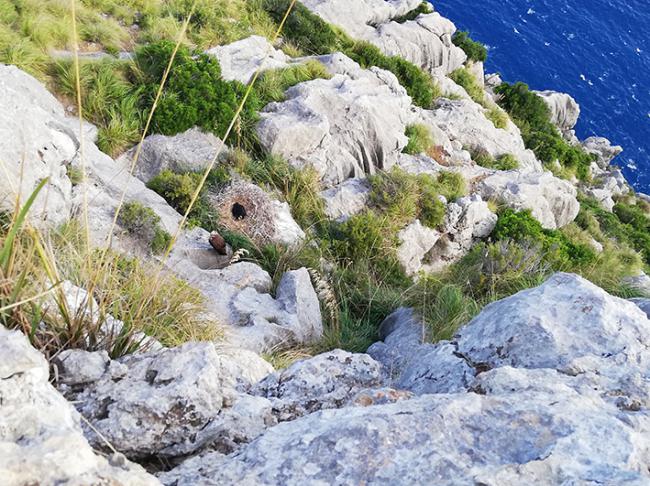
column 475, row 50
column 503, row 162
column 304, row 29
column 531, row 114
column 271, row 85
column 418, row 84
column 451, row 185
column 195, row 94
column 144, row 223
column 423, row 8
column 463, row 77
column 420, row 139
column 498, row 117
column 178, row 190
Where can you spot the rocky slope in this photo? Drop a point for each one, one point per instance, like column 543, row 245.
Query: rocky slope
column 550, row 385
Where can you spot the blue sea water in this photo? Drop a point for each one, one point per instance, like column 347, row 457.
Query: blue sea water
column 596, row 50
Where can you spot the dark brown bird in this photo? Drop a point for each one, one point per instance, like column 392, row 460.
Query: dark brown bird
column 218, row 243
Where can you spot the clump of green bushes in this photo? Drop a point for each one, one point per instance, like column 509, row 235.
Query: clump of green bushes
column 420, row 139
column 423, row 8
column 475, row 50
column 463, row 77
column 531, row 114
column 144, row 223
column 503, row 162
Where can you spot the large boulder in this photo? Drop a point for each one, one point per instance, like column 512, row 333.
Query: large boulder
column 169, row 403
column 329, row 380
column 550, row 385
column 346, row 199
column 565, row 111
column 425, row 41
column 240, row 60
column 552, row 201
column 190, row 151
column 348, row 126
column 41, row 440
column 603, row 149
column 464, row 121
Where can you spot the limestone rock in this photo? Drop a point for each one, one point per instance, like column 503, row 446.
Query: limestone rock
column 425, row 41
column 467, row 220
column 240, row 60
column 171, row 403
column 416, row 241
column 552, row 201
column 286, row 230
column 35, row 143
column 296, row 293
column 190, row 151
column 346, row 199
column 565, row 111
column 639, row 283
column 328, row 380
column 643, row 304
column 603, row 149
column 348, row 126
column 41, row 441
column 465, row 121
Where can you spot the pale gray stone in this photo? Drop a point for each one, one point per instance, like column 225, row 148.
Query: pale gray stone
column 416, row 240
column 565, row 111
column 41, row 440
column 240, row 60
column 346, row 199
column 328, row 380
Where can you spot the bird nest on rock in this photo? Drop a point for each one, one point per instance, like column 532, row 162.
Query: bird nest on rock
column 247, row 209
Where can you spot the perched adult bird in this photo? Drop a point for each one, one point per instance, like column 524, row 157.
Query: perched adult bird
column 218, row 243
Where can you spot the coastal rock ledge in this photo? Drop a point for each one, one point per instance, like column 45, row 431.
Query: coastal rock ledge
column 548, row 386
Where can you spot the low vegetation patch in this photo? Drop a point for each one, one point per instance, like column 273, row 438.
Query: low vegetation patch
column 503, row 162
column 143, row 223
column 475, row 51
column 423, row 8
column 420, row 139
column 463, row 77
column 531, row 114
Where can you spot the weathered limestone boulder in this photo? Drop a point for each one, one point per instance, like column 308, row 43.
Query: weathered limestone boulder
column 41, row 441
column 328, row 380
column 190, row 151
column 467, row 220
column 348, row 126
column 346, row 199
column 240, row 60
column 425, row 41
column 169, row 403
column 527, row 437
column 552, row 201
column 565, row 111
column 36, row 142
column 608, row 185
column 603, row 149
column 465, row 121
column 416, row 240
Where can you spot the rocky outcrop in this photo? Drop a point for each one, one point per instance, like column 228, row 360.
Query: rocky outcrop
column 348, row 126
column 532, row 387
column 41, row 440
column 564, row 110
column 425, row 41
column 465, row 121
column 415, row 242
column 603, row 149
column 167, row 403
column 240, row 60
column 190, row 151
column 346, row 199
column 328, row 380
column 552, row 201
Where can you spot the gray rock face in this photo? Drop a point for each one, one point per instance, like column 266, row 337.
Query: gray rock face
column 464, row 121
column 552, row 201
column 602, row 149
column 240, row 60
column 328, row 380
column 346, row 199
column 607, row 185
column 550, row 385
column 643, row 304
column 425, row 41
column 296, row 293
column 640, row 283
column 41, row 441
column 190, row 151
column 565, row 111
column 348, row 126
column 416, row 240
column 171, row 403
column 35, row 143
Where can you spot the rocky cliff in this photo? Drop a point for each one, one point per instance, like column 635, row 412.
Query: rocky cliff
column 459, row 268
